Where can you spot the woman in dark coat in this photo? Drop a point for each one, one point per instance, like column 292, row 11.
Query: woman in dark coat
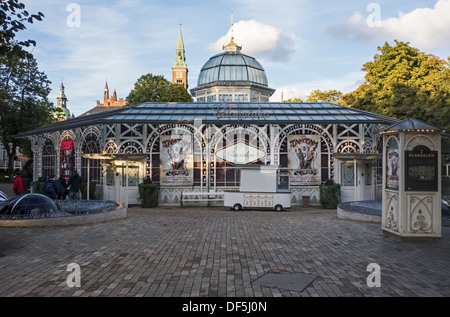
column 62, row 186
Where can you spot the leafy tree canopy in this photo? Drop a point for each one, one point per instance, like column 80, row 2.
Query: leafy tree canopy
column 23, row 100
column 402, row 79
column 325, row 96
column 155, row 88
column 23, row 88
column 320, row 96
column 294, row 100
column 12, row 18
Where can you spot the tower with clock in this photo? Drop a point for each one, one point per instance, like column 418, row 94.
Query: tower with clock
column 179, row 68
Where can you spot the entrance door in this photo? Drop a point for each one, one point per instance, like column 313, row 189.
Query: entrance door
column 368, row 187
column 116, row 180
column 348, row 181
column 356, row 179
column 128, row 193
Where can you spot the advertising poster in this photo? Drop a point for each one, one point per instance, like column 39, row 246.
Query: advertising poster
column 67, row 159
column 304, row 159
column 392, row 166
column 176, row 160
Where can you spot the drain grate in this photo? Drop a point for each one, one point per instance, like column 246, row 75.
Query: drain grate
column 286, row 280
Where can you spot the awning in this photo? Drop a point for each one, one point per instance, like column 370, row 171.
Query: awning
column 116, row 156
column 357, row 156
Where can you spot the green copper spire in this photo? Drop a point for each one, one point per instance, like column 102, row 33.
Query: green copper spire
column 180, row 59
column 61, row 92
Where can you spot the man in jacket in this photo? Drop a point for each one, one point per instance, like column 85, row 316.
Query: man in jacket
column 75, row 184
column 51, row 188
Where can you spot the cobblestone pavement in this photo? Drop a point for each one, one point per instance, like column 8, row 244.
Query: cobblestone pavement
column 215, row 252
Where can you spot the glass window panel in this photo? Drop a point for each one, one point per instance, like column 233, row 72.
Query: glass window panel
column 140, row 118
column 119, row 117
column 110, row 171
column 221, row 75
column 133, row 176
column 347, row 174
column 329, row 118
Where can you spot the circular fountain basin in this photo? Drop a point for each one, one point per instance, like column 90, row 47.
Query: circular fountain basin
column 37, row 210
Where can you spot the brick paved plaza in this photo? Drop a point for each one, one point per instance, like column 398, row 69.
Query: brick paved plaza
column 216, row 252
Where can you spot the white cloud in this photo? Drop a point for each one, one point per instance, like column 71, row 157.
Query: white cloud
column 425, row 28
column 259, row 39
column 345, row 84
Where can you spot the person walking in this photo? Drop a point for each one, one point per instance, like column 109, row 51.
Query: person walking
column 18, row 184
column 74, row 184
column 62, row 186
column 51, row 188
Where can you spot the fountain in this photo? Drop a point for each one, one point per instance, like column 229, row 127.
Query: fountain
column 37, row 210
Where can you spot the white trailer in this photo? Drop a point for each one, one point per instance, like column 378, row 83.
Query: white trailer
column 262, row 187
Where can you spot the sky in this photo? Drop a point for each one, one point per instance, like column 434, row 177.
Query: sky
column 303, row 45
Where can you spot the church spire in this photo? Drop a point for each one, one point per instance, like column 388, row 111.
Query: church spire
column 61, row 99
column 106, row 91
column 180, row 59
column 179, row 69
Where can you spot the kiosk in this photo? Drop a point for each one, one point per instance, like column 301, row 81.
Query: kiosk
column 262, row 187
column 411, row 206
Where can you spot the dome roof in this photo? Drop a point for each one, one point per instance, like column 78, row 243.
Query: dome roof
column 31, row 205
column 232, row 68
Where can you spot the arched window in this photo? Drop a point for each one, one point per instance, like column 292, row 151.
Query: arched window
column 48, row 159
column 91, row 145
column 67, row 157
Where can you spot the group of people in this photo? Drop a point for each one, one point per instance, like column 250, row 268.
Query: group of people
column 59, row 189
column 55, row 189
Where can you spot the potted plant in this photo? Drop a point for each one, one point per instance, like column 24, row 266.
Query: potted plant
column 330, row 194
column 148, row 193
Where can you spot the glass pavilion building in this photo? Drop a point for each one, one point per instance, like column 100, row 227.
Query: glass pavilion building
column 232, row 77
column 199, row 147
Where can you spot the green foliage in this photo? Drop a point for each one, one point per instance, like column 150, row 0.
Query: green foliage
column 23, row 88
column 402, row 79
column 12, row 18
column 148, row 194
column 330, row 195
column 23, row 101
column 155, row 88
column 294, row 100
column 58, row 114
column 325, row 96
column 334, row 96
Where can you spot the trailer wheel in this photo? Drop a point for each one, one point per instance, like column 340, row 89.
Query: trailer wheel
column 279, row 208
column 237, row 207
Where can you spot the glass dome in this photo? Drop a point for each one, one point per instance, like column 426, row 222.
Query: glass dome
column 32, row 205
column 232, row 68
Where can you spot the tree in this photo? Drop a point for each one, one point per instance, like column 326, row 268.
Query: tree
column 402, row 79
column 320, row 96
column 23, row 102
column 294, row 100
column 12, row 18
column 325, row 96
column 23, row 88
column 155, row 88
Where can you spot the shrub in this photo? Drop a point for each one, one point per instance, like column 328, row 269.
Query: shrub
column 330, row 195
column 148, row 195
